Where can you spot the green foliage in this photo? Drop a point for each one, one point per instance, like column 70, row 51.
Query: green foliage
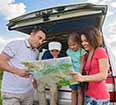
column 1, row 73
column 64, row 66
column 63, row 82
column 29, row 65
column 49, row 69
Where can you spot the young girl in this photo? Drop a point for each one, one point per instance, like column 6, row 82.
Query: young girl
column 76, row 53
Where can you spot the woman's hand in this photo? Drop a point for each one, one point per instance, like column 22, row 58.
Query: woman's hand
column 77, row 76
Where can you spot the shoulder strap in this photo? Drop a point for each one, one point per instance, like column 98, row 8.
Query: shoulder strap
column 90, row 63
column 86, row 56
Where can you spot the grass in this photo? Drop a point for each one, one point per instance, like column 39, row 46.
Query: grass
column 0, row 86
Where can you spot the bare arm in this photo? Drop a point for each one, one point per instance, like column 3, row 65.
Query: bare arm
column 5, row 66
column 103, row 73
column 81, row 63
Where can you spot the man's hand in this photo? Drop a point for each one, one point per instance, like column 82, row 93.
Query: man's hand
column 34, row 83
column 22, row 73
column 4, row 65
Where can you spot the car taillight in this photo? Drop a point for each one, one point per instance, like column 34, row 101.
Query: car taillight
column 111, row 86
column 112, row 96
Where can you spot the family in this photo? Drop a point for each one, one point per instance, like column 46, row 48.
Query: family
column 87, row 54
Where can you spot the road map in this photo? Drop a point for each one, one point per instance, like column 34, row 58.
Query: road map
column 52, row 71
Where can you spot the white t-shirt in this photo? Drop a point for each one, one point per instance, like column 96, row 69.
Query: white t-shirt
column 18, row 51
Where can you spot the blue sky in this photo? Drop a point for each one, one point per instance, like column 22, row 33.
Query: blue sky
column 13, row 8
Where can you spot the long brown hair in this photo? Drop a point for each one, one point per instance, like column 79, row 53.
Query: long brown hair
column 94, row 36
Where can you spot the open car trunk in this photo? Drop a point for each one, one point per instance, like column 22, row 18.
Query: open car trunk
column 61, row 19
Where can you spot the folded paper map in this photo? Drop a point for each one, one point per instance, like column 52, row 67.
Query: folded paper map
column 52, row 71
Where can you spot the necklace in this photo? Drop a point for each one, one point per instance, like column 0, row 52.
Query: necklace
column 90, row 54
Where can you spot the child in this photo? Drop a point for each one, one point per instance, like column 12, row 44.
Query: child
column 76, row 53
column 54, row 52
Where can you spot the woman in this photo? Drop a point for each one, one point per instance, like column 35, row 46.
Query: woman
column 96, row 67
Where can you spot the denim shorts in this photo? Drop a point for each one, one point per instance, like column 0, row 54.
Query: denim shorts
column 75, row 86
column 92, row 101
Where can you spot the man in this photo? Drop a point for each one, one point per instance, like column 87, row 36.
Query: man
column 54, row 52
column 17, row 88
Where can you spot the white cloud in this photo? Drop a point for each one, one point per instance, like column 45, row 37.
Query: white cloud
column 111, row 33
column 10, row 9
column 113, row 4
column 100, row 1
column 105, row 2
column 110, row 38
column 109, row 13
column 93, row 1
column 3, row 2
column 111, row 28
column 4, row 41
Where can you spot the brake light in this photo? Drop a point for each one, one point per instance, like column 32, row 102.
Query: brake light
column 111, row 86
column 112, row 96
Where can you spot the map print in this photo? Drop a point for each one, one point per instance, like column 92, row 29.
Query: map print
column 52, row 71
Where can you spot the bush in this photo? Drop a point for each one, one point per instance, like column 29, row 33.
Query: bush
column 1, row 73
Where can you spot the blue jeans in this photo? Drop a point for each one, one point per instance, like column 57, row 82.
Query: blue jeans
column 92, row 101
column 75, row 86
